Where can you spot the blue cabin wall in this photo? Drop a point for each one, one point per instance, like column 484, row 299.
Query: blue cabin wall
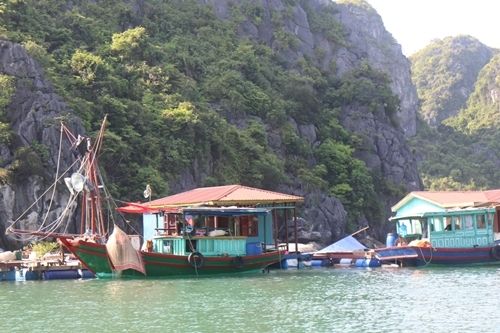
column 149, row 224
column 417, row 206
column 266, row 236
column 265, row 227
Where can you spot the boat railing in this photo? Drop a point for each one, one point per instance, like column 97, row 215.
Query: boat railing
column 282, row 247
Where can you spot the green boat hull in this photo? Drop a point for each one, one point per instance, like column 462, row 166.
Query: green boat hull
column 95, row 258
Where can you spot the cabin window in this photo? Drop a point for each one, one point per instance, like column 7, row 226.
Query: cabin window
column 217, row 222
column 452, row 223
column 480, row 222
column 249, row 226
column 468, row 222
column 170, row 224
column 210, row 222
column 447, row 223
column 417, row 227
column 404, row 227
column 490, row 219
column 167, row 246
column 436, row 224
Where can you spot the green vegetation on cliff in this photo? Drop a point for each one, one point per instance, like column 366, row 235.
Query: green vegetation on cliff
column 186, row 95
column 461, row 151
column 444, row 73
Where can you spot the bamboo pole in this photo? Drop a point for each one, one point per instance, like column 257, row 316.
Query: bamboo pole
column 360, row 230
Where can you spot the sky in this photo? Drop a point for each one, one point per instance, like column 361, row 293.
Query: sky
column 415, row 23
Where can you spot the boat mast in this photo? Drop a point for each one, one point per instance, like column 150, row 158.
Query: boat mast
column 92, row 219
column 93, row 193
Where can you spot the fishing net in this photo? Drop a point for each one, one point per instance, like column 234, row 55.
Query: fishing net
column 122, row 254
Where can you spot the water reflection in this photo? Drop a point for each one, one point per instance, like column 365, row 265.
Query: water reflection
column 309, row 300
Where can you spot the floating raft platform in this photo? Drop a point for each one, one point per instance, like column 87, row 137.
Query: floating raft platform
column 26, row 270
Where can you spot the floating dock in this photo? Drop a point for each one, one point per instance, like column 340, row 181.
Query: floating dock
column 25, row 270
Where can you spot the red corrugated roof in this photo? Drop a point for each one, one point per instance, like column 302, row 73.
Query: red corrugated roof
column 449, row 199
column 223, row 196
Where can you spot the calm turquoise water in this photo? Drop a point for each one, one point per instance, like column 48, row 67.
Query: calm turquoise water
column 307, row 300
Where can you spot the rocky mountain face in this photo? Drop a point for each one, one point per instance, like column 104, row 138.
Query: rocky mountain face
column 34, row 107
column 366, row 41
column 483, row 105
column 445, row 73
column 34, row 113
column 457, row 80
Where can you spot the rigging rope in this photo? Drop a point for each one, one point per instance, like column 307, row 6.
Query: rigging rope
column 91, row 172
column 57, row 174
column 54, row 225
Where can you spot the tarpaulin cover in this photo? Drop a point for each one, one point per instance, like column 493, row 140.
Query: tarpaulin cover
column 346, row 244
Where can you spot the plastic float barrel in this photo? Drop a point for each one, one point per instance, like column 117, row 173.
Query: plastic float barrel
column 61, row 274
column 391, row 239
column 20, row 276
column 292, row 262
column 8, row 276
column 368, row 262
column 360, row 263
column 345, row 262
column 373, row 262
column 31, row 275
column 317, row 263
column 253, row 248
column 85, row 274
column 25, row 274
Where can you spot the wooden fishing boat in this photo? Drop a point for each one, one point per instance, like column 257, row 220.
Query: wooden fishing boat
column 459, row 236
column 194, row 240
column 190, row 252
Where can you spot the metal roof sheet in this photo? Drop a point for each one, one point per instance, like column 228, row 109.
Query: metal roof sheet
column 224, row 196
column 224, row 211
column 448, row 199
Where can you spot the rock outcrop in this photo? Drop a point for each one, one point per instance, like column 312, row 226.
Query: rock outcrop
column 445, row 73
column 365, row 40
column 34, row 112
column 356, row 36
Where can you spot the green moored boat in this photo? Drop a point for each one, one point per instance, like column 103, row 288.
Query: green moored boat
column 205, row 231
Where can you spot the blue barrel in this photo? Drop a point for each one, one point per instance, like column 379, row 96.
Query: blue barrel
column 86, row 274
column 8, row 276
column 346, row 261
column 31, row 275
column 20, row 276
column 253, row 248
column 360, row 263
column 373, row 262
column 318, row 263
column 61, row 274
column 391, row 239
column 25, row 274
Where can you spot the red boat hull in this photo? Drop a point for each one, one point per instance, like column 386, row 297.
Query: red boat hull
column 418, row 256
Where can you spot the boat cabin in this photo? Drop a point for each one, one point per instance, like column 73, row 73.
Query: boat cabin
column 213, row 231
column 449, row 218
column 218, row 220
column 472, row 227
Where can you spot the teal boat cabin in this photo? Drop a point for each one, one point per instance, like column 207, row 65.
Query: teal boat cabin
column 213, row 231
column 449, row 219
column 231, row 220
column 444, row 228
